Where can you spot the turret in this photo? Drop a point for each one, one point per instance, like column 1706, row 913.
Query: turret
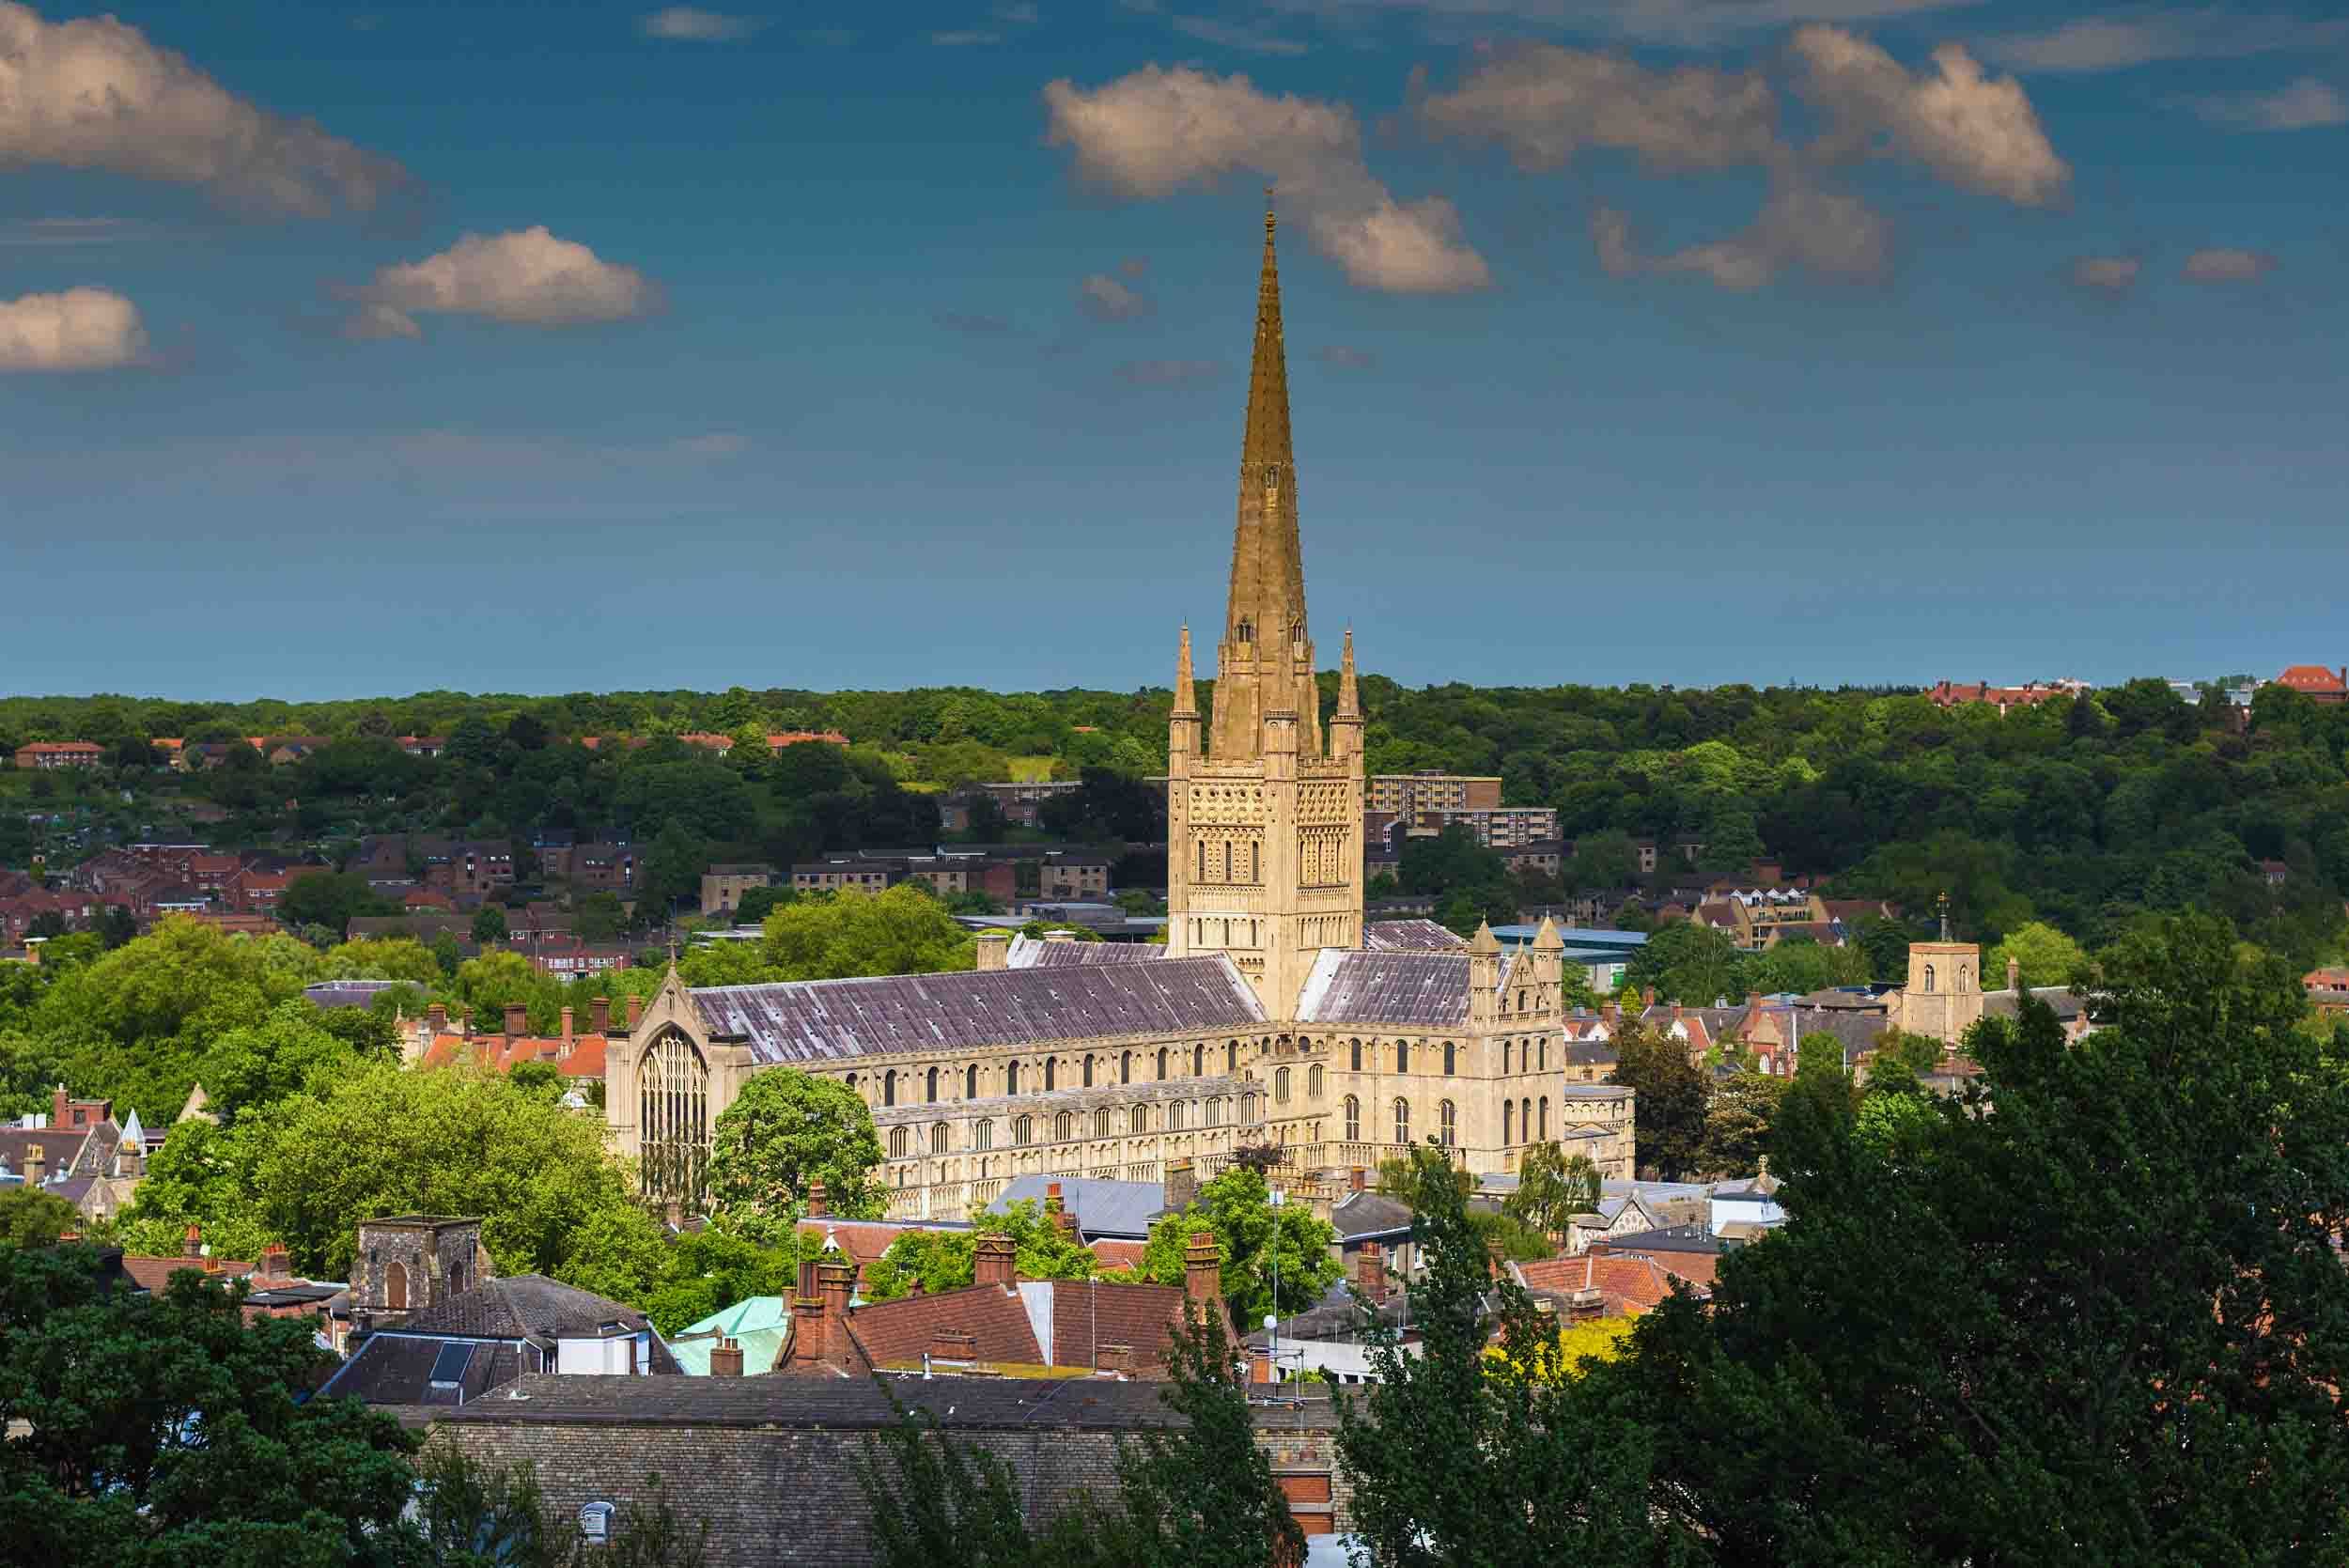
column 1483, row 957
column 1182, row 723
column 1346, row 726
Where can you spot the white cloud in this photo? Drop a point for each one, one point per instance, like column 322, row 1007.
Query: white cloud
column 1972, row 130
column 81, row 329
column 1226, row 35
column 2140, row 37
column 1103, row 298
column 1687, row 24
column 690, row 24
column 1543, row 104
column 95, row 94
column 2109, row 274
column 2304, row 104
column 1156, row 132
column 527, row 277
column 2220, row 264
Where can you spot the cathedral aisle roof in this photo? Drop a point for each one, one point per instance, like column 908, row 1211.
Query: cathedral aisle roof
column 1428, row 988
column 1036, row 953
column 1411, row 936
column 821, row 1020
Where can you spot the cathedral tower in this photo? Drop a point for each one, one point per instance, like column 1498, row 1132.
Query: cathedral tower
column 1264, row 824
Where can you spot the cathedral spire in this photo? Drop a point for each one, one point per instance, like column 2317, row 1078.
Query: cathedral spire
column 1265, row 663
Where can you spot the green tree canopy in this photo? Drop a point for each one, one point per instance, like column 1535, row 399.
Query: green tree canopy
column 2044, row 955
column 1249, row 1235
column 784, row 1132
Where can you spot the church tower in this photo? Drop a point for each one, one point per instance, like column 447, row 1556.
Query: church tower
column 1264, row 821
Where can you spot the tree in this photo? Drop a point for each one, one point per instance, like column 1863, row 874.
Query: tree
column 31, row 1218
column 902, row 931
column 488, row 926
column 948, row 1260
column 167, row 1429
column 1952, row 1353
column 2043, row 954
column 1689, row 963
column 784, row 1132
column 600, row 917
column 1669, row 1109
column 383, row 958
column 1738, row 1124
column 247, row 1069
column 331, row 899
column 1249, row 1235
column 1552, row 1188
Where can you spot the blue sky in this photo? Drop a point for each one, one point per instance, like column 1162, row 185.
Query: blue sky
column 558, row 349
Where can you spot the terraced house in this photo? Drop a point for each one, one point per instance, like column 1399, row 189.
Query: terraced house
column 1272, row 1014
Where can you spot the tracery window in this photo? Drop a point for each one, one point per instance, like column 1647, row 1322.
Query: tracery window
column 1022, row 1131
column 1141, row 1118
column 1447, row 1122
column 1280, row 1087
column 985, row 1131
column 1402, row 1120
column 1313, row 1081
column 673, row 1111
column 1353, row 1120
column 939, row 1136
column 1063, row 1128
column 1175, row 1117
column 1101, row 1122
column 896, row 1142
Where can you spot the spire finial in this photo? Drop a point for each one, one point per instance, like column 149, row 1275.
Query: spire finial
column 1269, row 219
column 1349, row 698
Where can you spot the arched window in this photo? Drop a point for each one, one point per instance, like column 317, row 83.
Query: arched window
column 1063, row 1128
column 1088, row 1074
column 1525, row 1119
column 1101, row 1122
column 456, row 1279
column 851, row 1080
column 1961, row 973
column 395, row 1285
column 983, row 1134
column 1447, row 1122
column 1231, row 1056
column 1051, row 1074
column 1508, row 1123
column 1928, row 977
column 933, row 1086
column 1544, row 1063
column 1313, row 1081
column 1353, row 1120
column 1023, row 1130
column 1402, row 1056
column 1175, row 1117
column 1280, row 1087
column 1521, row 999
column 896, row 1142
column 970, row 1082
column 1402, row 1120
column 1544, row 1119
column 889, row 1087
column 939, row 1135
column 1248, row 1109
column 1141, row 1118
column 1161, row 1063
column 1126, row 1067
column 1358, row 1056
column 1448, row 1063
column 1215, row 1112
column 1011, row 1078
column 1199, row 1061
column 673, row 1116
column 1504, row 1059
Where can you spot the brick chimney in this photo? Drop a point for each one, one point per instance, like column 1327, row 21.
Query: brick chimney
column 1181, row 1184
column 635, row 1011
column 837, row 1276
column 1370, row 1272
column 274, row 1265
column 1358, row 1179
column 726, row 1359
column 517, row 1019
column 191, row 1245
column 994, row 951
column 57, row 1107
column 1753, row 1002
column 1118, row 1358
column 819, row 1201
column 599, row 1014
column 436, row 1019
column 1063, row 1221
column 36, row 1165
column 953, row 1345
column 567, row 1026
column 1202, row 1271
column 2014, row 974
column 995, row 1263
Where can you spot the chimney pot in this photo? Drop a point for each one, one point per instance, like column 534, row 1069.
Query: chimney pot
column 437, row 1016
column 995, row 1263
column 1370, row 1271
column 1357, row 1178
column 191, row 1245
column 517, row 1019
column 994, row 951
column 599, row 1014
column 726, row 1359
column 635, row 1011
column 567, row 1026
column 1202, row 1270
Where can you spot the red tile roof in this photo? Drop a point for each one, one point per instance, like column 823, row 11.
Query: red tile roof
column 2313, row 678
column 1627, row 1284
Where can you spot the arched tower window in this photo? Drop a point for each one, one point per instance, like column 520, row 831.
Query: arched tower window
column 1504, row 1059
column 1231, row 1056
column 1141, row 1118
column 939, row 1136
column 889, row 1087
column 1353, row 1120
column 970, row 1082
column 1358, row 1056
column 1101, row 1122
column 1011, row 1078
column 1063, row 1128
column 1448, row 1059
column 1402, row 1120
column 1023, row 1130
column 1402, row 1058
column 1051, row 1074
column 1313, row 1081
column 1175, row 1117
column 933, row 1086
column 1544, row 1118
column 986, row 1133
column 1280, row 1087
column 672, row 1118
column 1161, row 1063
column 395, row 1286
column 896, row 1142
column 1508, row 1123
column 1199, row 1061
column 1088, row 1072
column 1928, row 977
column 1126, row 1067
column 1447, row 1122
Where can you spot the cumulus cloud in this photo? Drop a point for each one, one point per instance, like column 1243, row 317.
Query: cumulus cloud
column 1337, row 356
column 1166, row 372
column 527, row 277
column 81, row 329
column 2305, row 104
column 690, row 24
column 2119, row 42
column 1103, row 298
column 2220, row 264
column 1544, row 104
column 95, row 94
column 1156, row 132
column 1979, row 133
column 2106, row 275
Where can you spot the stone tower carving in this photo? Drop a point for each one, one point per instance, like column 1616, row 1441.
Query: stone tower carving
column 1264, row 825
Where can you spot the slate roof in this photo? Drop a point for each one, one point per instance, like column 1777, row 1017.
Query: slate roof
column 1424, row 989
column 1034, row 953
column 1369, row 1213
column 528, row 1306
column 397, row 1369
column 2066, row 1003
column 959, row 1403
column 1409, row 935
column 818, row 1021
column 1103, row 1207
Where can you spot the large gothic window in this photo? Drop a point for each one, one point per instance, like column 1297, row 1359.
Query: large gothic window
column 896, row 1142
column 1402, row 1120
column 1280, row 1087
column 986, row 1130
column 672, row 1118
column 1141, row 1118
column 1175, row 1117
column 1353, row 1120
column 1447, row 1122
column 1063, row 1127
column 938, row 1137
column 1313, row 1082
column 1022, row 1131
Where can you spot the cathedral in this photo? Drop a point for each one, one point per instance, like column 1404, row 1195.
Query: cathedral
column 1274, row 1015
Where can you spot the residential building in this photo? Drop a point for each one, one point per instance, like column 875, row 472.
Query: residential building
column 1265, row 1016
column 2029, row 694
column 2312, row 681
column 830, row 876
column 722, row 886
column 48, row 756
column 1409, row 795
